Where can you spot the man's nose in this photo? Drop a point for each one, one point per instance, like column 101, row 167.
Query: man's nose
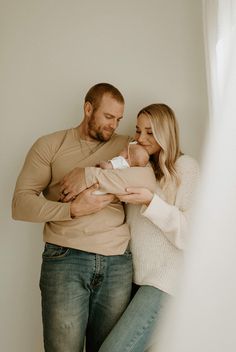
column 113, row 124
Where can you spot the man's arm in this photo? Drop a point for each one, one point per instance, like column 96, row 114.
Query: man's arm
column 28, row 203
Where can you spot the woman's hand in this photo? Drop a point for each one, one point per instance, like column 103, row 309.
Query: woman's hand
column 136, row 195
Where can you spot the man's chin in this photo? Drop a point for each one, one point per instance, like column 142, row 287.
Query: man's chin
column 106, row 136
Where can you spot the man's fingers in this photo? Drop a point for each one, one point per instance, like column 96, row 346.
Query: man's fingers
column 106, row 202
column 125, row 198
column 122, row 199
column 63, row 194
column 68, row 197
column 63, row 190
column 62, row 182
column 108, row 197
column 92, row 188
column 102, row 199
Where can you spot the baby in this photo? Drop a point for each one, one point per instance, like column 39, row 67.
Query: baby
column 133, row 155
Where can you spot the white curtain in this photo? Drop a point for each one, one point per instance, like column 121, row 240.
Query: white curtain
column 203, row 316
column 219, row 18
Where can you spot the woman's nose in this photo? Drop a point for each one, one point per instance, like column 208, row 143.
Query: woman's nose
column 141, row 139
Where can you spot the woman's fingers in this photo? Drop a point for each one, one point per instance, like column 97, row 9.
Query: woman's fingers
column 137, row 196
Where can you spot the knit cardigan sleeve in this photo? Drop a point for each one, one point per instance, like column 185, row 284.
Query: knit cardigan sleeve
column 172, row 219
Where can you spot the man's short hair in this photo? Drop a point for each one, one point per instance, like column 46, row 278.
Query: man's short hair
column 95, row 94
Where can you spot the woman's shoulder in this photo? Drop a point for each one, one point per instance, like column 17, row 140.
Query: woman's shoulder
column 186, row 163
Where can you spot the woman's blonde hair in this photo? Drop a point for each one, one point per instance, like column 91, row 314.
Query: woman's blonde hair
column 166, row 132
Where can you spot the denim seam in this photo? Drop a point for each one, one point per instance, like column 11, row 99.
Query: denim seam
column 133, row 342
column 60, row 256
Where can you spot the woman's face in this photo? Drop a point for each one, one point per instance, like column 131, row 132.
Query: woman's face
column 144, row 135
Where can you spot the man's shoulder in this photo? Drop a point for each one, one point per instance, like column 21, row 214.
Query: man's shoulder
column 114, row 146
column 120, row 138
column 54, row 136
column 118, row 142
column 51, row 142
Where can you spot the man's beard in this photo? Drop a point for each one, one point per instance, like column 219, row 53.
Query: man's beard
column 94, row 132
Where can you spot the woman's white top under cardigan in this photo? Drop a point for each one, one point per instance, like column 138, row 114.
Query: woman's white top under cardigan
column 159, row 231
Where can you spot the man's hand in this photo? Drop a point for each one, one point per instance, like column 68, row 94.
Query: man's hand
column 72, row 184
column 88, row 203
column 136, row 195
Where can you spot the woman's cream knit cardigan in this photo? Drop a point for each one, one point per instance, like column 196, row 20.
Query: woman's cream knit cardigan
column 159, row 232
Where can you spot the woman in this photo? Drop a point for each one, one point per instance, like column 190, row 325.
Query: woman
column 158, row 223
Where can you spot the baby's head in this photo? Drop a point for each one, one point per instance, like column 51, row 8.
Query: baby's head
column 137, row 155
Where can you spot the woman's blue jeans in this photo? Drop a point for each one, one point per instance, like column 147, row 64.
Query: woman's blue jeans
column 83, row 294
column 133, row 332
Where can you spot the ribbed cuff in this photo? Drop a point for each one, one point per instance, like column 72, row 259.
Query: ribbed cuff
column 157, row 211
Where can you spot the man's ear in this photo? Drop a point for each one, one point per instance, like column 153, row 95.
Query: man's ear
column 88, row 109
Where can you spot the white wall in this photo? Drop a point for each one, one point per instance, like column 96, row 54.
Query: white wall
column 51, row 53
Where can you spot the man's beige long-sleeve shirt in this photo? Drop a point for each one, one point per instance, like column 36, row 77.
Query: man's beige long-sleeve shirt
column 37, row 192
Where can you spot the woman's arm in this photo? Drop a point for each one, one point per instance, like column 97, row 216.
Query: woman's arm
column 172, row 219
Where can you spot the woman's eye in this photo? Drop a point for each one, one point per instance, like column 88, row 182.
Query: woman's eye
column 149, row 132
column 137, row 131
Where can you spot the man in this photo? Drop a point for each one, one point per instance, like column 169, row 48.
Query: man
column 87, row 270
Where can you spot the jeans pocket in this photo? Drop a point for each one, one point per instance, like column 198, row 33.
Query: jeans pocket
column 128, row 253
column 52, row 251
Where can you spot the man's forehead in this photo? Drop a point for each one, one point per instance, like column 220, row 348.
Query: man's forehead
column 111, row 106
column 107, row 98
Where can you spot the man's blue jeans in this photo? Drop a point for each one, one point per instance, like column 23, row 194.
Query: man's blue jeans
column 83, row 294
